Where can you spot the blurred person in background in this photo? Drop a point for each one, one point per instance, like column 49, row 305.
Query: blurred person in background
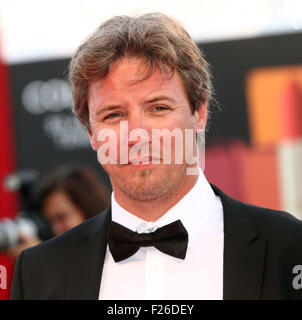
column 67, row 197
column 70, row 196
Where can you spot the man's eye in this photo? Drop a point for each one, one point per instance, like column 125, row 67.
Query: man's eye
column 160, row 108
column 112, row 115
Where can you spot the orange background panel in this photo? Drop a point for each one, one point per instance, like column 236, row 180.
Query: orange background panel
column 260, row 177
column 264, row 90
column 223, row 166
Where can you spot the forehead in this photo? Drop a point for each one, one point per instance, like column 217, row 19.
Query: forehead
column 127, row 77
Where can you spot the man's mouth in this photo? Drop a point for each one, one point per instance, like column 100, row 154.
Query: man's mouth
column 144, row 161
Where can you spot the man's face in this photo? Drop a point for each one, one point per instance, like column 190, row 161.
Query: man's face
column 158, row 102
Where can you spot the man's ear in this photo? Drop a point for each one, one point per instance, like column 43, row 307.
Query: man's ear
column 201, row 114
column 92, row 140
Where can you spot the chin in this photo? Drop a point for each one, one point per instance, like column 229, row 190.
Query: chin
column 148, row 184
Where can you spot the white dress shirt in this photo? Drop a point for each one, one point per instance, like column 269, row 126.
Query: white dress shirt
column 153, row 275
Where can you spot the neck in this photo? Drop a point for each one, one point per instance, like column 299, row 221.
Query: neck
column 152, row 210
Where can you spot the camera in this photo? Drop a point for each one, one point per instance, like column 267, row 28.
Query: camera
column 29, row 221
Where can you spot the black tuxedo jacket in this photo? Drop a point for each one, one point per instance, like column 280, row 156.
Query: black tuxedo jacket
column 261, row 249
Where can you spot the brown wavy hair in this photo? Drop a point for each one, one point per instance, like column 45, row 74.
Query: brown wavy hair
column 156, row 38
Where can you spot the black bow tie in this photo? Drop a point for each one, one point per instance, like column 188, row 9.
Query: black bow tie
column 171, row 239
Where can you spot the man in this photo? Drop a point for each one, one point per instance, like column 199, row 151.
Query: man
column 168, row 234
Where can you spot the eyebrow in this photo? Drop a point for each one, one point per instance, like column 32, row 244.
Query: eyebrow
column 159, row 98
column 105, row 109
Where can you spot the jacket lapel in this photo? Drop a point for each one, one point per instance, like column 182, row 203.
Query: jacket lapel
column 87, row 259
column 244, row 252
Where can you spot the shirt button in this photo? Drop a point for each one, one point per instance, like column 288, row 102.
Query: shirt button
column 146, row 228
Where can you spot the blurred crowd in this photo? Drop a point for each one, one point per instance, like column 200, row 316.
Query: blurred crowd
column 62, row 200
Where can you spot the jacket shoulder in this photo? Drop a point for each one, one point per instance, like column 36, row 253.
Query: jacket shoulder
column 64, row 241
column 274, row 222
column 41, row 271
column 269, row 222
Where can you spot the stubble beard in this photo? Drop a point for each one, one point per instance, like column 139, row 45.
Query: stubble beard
column 149, row 185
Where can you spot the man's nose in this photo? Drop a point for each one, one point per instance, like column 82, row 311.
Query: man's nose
column 138, row 130
column 136, row 120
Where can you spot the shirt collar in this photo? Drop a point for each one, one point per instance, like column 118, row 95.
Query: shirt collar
column 194, row 210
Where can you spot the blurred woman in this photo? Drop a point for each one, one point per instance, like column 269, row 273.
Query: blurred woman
column 67, row 197
column 70, row 195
